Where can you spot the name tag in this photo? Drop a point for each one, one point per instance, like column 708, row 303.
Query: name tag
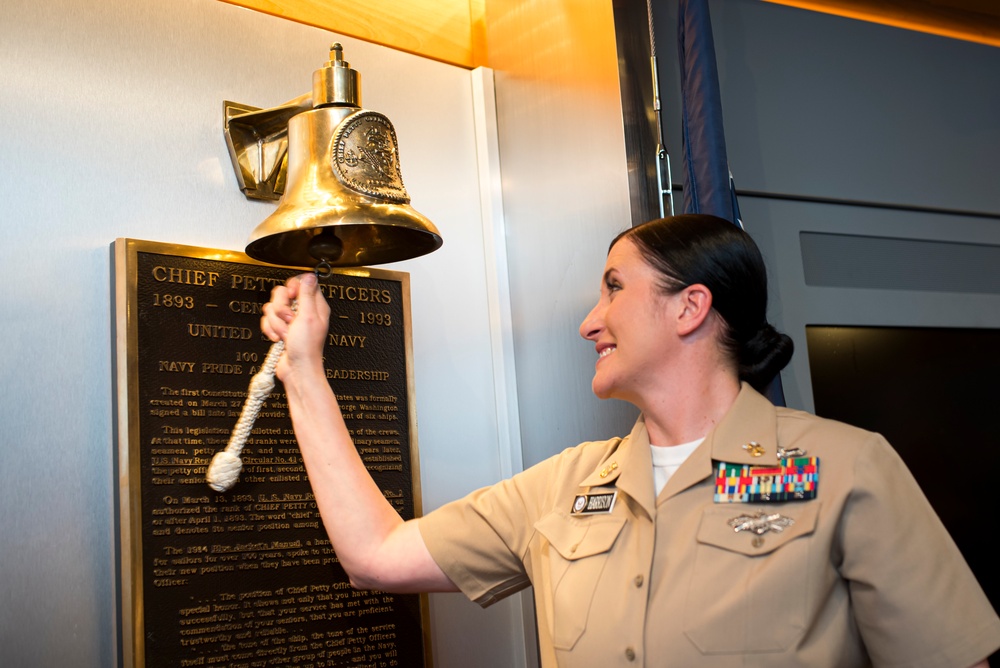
column 589, row 504
column 792, row 479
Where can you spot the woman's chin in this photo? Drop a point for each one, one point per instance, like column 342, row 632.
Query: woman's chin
column 601, row 390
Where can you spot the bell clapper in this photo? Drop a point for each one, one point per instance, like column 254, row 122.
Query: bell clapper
column 326, row 246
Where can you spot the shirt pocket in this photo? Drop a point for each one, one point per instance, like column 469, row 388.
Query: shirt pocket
column 748, row 593
column 578, row 552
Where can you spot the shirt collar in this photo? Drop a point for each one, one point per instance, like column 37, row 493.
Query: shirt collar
column 629, row 467
column 751, row 419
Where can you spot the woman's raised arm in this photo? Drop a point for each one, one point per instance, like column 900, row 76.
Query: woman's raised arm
column 375, row 546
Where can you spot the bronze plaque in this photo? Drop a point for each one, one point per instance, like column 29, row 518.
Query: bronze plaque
column 248, row 578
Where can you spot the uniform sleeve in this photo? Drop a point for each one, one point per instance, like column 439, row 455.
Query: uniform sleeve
column 480, row 541
column 915, row 599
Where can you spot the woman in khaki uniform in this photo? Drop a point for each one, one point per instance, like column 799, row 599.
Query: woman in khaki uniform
column 722, row 531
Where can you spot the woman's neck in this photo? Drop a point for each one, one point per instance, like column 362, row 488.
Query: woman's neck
column 683, row 413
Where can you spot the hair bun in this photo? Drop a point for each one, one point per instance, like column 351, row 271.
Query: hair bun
column 764, row 355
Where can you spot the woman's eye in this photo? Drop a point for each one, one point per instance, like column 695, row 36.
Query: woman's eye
column 612, row 287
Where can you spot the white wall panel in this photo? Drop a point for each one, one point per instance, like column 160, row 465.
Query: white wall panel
column 112, row 116
column 565, row 196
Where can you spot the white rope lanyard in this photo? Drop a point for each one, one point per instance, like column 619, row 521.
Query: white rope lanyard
column 225, row 468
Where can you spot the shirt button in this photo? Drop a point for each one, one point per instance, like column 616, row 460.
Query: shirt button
column 630, row 654
column 638, row 580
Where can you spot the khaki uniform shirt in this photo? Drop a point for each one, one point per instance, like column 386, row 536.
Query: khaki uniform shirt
column 865, row 575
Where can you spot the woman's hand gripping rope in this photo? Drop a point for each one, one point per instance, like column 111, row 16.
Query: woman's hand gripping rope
column 224, row 470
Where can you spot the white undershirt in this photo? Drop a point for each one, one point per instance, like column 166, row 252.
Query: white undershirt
column 667, row 460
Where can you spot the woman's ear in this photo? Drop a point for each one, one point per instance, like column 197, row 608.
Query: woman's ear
column 696, row 304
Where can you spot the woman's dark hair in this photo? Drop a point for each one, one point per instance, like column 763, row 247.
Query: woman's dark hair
column 697, row 248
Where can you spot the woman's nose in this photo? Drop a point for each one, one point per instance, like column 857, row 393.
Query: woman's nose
column 591, row 325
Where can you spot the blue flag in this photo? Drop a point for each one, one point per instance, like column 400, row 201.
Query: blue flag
column 709, row 186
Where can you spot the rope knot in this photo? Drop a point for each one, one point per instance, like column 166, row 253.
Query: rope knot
column 261, row 385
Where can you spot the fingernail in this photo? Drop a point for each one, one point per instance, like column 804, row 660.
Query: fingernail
column 309, row 279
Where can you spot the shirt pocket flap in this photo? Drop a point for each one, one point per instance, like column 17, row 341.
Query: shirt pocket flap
column 715, row 528
column 578, row 537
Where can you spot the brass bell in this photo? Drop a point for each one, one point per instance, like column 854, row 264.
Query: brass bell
column 344, row 204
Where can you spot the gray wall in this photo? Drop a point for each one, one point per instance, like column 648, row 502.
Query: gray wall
column 903, row 127
column 565, row 197
column 112, row 116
